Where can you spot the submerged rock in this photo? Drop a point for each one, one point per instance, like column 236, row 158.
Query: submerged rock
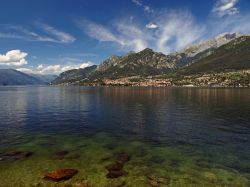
column 15, row 155
column 115, row 170
column 115, row 166
column 115, row 174
column 61, row 174
column 61, row 153
column 122, row 157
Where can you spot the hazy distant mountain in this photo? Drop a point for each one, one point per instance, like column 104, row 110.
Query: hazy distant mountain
column 224, row 52
column 14, row 77
column 44, row 78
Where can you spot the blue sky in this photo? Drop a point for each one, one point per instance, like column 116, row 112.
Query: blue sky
column 51, row 36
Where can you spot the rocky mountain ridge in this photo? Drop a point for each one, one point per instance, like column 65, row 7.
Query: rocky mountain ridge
column 151, row 63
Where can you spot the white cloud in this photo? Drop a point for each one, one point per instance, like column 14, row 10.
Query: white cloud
column 177, row 29
column 18, row 32
column 168, row 31
column 98, row 32
column 146, row 8
column 238, row 23
column 225, row 7
column 137, row 2
column 13, row 58
column 151, row 26
column 125, row 34
column 60, row 36
column 54, row 69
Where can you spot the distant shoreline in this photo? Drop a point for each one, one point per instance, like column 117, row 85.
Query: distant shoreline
column 173, row 86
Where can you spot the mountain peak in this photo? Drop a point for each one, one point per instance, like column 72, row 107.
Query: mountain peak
column 228, row 35
column 147, row 50
column 211, row 43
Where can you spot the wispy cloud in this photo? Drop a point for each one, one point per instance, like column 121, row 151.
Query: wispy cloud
column 238, row 23
column 145, row 7
column 97, row 31
column 13, row 58
column 148, row 9
column 125, row 34
column 225, row 7
column 137, row 2
column 8, row 31
column 177, row 29
column 60, row 36
column 162, row 34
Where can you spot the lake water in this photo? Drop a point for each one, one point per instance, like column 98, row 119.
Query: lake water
column 174, row 136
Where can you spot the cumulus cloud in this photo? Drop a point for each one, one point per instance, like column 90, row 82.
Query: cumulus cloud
column 54, row 69
column 13, row 58
column 52, row 34
column 225, row 7
column 151, row 26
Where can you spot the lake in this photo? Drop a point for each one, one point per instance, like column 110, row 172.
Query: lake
column 173, row 136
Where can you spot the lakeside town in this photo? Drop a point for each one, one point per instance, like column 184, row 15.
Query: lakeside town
column 225, row 79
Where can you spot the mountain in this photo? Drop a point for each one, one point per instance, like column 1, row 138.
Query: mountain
column 213, row 43
column 228, row 51
column 74, row 75
column 146, row 62
column 44, row 78
column 14, row 77
column 203, row 49
column 234, row 55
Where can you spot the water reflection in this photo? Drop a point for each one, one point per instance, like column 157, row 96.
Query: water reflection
column 196, row 116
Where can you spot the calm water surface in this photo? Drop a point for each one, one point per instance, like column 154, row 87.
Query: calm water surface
column 180, row 136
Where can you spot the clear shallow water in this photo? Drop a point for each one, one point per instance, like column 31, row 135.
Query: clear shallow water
column 184, row 136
